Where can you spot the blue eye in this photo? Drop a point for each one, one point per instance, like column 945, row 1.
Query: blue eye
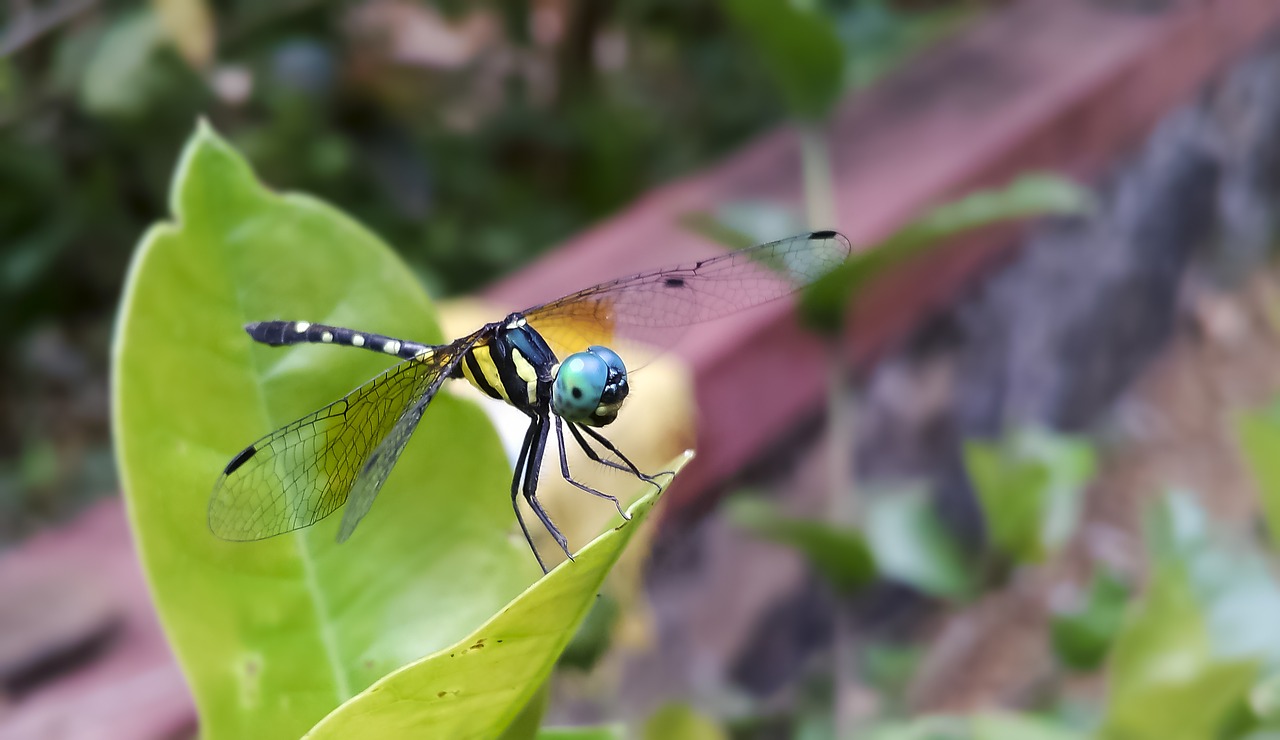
column 590, row 387
column 579, row 384
column 611, row 359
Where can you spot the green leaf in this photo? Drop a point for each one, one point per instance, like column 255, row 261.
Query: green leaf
column 1264, row 701
column 824, row 303
column 979, row 726
column 272, row 635
column 1165, row 682
column 605, row 732
column 912, row 546
column 1010, row 726
column 1259, row 435
column 527, row 722
column 119, row 79
column 1231, row 580
column 681, row 722
column 741, row 224
column 1030, row 487
column 1184, row 663
column 838, row 553
column 1082, row 636
column 474, row 687
column 800, row 49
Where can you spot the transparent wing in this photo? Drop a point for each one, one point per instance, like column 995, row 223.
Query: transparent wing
column 376, row 469
column 301, row 473
column 649, row 306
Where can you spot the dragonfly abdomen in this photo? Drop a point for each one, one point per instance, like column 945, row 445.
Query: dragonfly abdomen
column 280, row 333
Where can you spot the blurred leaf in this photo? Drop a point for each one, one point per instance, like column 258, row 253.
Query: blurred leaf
column 1264, row 700
column 744, row 223
column 118, row 79
column 681, row 722
column 1185, row 660
column 889, row 667
column 1259, row 435
column 272, row 635
column 1083, row 636
column 824, row 303
column 911, row 545
column 189, row 26
column 1231, row 579
column 881, row 36
column 1164, row 682
column 594, row 635
column 1030, row 487
column 838, row 553
column 979, row 726
column 800, row 49
column 604, row 732
column 475, row 687
column 1009, row 726
column 38, row 464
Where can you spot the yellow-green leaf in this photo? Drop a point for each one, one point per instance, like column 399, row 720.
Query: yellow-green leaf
column 273, row 635
column 474, row 688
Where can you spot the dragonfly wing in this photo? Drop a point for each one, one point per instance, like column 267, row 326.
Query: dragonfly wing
column 649, row 306
column 301, row 473
column 379, row 464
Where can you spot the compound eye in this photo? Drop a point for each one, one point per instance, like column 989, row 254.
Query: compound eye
column 579, row 384
column 617, row 369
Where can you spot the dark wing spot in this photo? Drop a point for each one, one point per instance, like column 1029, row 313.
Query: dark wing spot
column 577, row 393
column 240, row 459
column 674, row 282
column 823, row 235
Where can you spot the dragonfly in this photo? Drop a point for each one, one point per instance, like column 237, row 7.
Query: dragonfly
column 552, row 362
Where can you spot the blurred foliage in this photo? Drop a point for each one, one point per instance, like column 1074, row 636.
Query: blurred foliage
column 913, row 546
column 594, row 635
column 1082, row 635
column 840, row 554
column 681, row 722
column 1031, row 487
column 825, row 303
column 1201, row 636
column 979, row 726
column 472, row 136
column 1258, row 433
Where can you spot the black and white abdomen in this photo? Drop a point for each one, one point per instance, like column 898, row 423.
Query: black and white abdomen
column 280, row 333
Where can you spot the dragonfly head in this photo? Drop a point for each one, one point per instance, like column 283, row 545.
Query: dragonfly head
column 590, row 387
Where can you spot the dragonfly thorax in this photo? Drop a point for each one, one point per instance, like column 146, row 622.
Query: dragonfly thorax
column 590, row 387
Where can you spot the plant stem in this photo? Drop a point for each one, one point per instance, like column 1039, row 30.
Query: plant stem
column 842, row 508
column 815, row 166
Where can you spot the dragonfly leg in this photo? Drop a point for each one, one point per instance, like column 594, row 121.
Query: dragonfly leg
column 564, row 472
column 531, row 484
column 516, row 479
column 627, row 465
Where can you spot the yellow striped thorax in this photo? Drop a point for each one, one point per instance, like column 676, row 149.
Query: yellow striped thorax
column 515, row 366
